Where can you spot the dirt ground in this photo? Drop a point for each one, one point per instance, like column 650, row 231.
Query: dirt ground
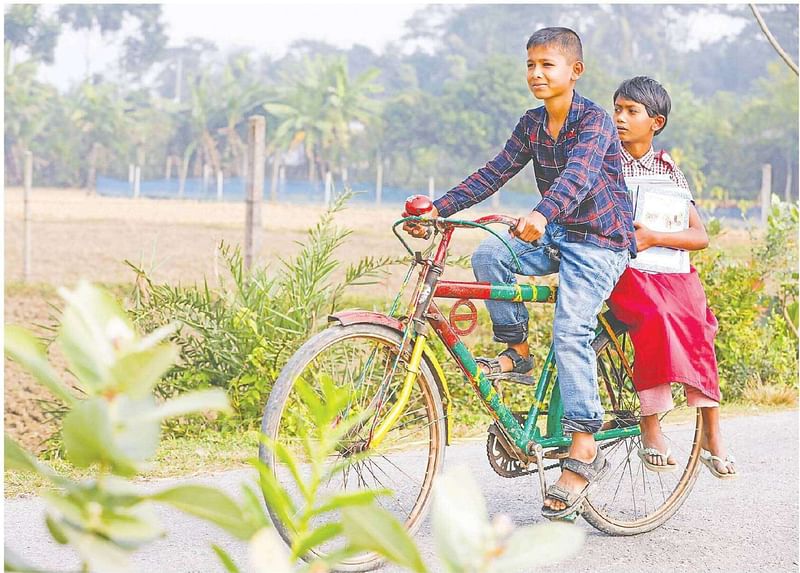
column 75, row 236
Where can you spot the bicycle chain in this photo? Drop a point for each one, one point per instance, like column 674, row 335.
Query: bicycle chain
column 514, row 462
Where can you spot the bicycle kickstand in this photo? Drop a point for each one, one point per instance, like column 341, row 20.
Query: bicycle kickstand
column 539, row 453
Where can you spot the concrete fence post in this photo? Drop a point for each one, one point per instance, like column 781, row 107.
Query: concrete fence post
column 379, row 184
column 28, row 182
column 328, row 187
column 137, row 181
column 766, row 192
column 254, row 187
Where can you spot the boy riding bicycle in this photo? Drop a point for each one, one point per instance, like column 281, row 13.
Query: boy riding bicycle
column 583, row 225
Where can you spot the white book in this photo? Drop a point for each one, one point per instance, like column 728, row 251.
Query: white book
column 661, row 205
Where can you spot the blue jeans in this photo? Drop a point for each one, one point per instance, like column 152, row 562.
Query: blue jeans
column 587, row 274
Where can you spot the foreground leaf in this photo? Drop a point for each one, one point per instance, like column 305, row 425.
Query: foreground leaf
column 88, row 438
column 24, row 348
column 268, row 553
column 210, row 504
column 540, row 545
column 371, row 528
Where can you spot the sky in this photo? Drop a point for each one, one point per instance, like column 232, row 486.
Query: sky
column 271, row 28
column 268, row 28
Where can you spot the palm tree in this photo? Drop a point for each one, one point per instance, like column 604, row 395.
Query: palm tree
column 319, row 108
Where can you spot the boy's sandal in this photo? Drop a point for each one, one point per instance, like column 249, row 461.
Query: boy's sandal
column 592, row 472
column 658, row 468
column 520, row 365
column 708, row 461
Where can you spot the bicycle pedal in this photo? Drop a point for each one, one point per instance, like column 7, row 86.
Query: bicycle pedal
column 557, row 454
column 513, row 377
column 572, row 517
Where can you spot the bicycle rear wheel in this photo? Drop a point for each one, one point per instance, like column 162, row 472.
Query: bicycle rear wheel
column 632, row 499
column 359, row 358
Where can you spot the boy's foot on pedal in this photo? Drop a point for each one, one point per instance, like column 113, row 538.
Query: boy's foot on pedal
column 509, row 360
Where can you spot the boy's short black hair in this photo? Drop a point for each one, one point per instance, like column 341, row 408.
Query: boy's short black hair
column 564, row 39
column 649, row 93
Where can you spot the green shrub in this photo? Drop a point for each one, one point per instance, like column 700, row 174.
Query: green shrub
column 237, row 334
column 753, row 301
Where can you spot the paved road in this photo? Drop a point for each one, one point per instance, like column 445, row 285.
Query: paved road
column 747, row 525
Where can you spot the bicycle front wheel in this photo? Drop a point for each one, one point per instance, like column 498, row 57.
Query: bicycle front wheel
column 360, row 359
column 632, row 499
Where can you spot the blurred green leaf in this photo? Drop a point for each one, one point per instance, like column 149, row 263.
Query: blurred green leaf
column 192, row 402
column 210, row 504
column 100, row 555
column 93, row 330
column 539, row 545
column 137, row 430
column 459, row 519
column 55, row 530
column 227, row 561
column 14, row 563
column 27, row 350
column 275, row 495
column 305, row 543
column 341, row 500
column 87, row 434
column 372, row 528
column 268, row 553
column 16, row 458
column 138, row 372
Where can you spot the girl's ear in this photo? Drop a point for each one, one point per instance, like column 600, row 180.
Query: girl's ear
column 658, row 122
column 577, row 70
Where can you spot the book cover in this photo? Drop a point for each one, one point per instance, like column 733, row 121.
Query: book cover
column 662, row 206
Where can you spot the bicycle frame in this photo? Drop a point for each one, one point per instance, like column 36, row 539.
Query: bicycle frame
column 526, row 437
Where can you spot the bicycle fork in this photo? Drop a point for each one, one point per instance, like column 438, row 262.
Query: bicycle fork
column 432, row 273
column 412, row 370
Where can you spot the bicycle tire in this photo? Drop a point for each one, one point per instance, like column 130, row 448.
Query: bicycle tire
column 682, row 426
column 425, row 400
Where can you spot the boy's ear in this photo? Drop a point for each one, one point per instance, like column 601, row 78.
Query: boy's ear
column 577, row 70
column 658, row 122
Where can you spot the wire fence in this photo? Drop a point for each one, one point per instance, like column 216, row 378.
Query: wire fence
column 304, row 192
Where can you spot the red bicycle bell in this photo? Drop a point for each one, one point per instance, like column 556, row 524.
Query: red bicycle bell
column 417, row 205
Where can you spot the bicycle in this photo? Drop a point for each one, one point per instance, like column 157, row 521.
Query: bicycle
column 400, row 389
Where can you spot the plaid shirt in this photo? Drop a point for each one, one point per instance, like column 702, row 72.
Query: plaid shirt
column 579, row 175
column 652, row 163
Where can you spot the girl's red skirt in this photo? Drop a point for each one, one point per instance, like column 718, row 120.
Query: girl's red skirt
column 671, row 327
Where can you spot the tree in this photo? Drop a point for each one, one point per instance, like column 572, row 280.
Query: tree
column 141, row 48
column 27, row 104
column 318, row 108
column 25, row 27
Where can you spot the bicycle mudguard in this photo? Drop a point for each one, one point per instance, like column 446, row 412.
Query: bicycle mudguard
column 348, row 317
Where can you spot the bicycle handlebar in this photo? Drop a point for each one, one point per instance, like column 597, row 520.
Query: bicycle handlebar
column 480, row 223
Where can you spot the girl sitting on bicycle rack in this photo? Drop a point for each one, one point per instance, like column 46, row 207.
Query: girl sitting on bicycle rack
column 668, row 319
column 583, row 225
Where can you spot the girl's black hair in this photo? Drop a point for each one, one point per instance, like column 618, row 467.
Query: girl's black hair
column 649, row 93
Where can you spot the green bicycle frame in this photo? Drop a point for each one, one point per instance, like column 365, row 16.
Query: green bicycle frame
column 427, row 314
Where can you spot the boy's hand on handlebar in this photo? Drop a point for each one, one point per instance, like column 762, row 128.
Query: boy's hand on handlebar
column 416, row 230
column 530, row 227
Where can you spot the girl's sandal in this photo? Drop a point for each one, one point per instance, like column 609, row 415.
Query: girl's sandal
column 708, row 461
column 654, row 453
